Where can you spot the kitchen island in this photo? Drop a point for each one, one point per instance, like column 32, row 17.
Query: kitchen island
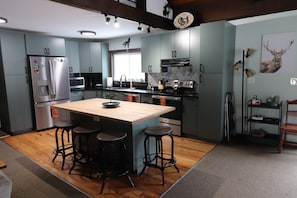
column 130, row 117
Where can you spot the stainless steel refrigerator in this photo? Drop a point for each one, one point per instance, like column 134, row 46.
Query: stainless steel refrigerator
column 50, row 85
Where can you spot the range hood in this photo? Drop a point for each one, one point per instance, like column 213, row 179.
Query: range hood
column 177, row 62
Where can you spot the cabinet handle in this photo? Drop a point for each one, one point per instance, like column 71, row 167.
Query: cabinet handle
column 90, row 69
column 202, row 68
column 201, row 80
column 70, row 69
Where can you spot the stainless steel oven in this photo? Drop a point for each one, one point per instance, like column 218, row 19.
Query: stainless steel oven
column 77, row 83
column 172, row 119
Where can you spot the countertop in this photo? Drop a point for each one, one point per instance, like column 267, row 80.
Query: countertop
column 144, row 91
column 130, row 112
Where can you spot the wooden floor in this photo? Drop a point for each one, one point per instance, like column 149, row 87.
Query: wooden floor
column 40, row 146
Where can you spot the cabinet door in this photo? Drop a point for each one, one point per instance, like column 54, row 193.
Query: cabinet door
column 72, row 53
column 210, row 106
column 190, row 117
column 15, row 95
column 88, row 94
column 96, row 57
column 175, row 44
column 212, row 46
column 90, row 57
column 195, row 49
column 167, row 45
column 13, row 53
column 45, row 45
column 150, row 54
column 182, row 44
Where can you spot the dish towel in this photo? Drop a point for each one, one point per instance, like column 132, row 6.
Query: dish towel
column 130, row 97
column 163, row 100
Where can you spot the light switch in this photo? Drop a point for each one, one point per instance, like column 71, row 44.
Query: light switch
column 251, row 80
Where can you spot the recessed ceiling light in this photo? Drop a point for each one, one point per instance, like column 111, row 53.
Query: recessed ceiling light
column 87, row 33
column 3, row 20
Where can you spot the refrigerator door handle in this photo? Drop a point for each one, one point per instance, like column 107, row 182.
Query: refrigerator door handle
column 52, row 79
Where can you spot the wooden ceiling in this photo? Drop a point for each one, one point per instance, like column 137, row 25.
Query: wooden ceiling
column 203, row 10
column 214, row 10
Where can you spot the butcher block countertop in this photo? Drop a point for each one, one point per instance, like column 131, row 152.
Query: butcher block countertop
column 130, row 112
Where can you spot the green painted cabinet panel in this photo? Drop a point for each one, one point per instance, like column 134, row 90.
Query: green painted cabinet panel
column 150, row 54
column 190, row 117
column 15, row 98
column 45, row 45
column 90, row 57
column 175, row 44
column 216, row 77
column 72, row 53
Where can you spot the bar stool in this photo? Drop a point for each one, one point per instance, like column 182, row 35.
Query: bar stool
column 85, row 145
column 151, row 157
column 111, row 164
column 61, row 147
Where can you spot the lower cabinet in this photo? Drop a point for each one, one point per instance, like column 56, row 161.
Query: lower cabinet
column 146, row 98
column 88, row 94
column 190, row 117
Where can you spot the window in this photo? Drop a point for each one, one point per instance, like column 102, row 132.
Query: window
column 128, row 63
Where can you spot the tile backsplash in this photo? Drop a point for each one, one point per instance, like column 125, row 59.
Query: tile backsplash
column 175, row 73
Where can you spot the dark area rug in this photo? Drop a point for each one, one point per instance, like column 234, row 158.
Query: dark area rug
column 196, row 184
column 31, row 180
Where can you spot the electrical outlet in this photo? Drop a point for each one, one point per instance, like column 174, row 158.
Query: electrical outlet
column 293, row 81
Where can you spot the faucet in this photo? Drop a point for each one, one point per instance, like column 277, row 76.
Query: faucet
column 121, row 80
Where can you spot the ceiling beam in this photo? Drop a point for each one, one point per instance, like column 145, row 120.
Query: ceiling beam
column 121, row 10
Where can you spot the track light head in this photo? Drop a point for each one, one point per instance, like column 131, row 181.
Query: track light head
column 116, row 23
column 148, row 29
column 107, row 19
column 139, row 27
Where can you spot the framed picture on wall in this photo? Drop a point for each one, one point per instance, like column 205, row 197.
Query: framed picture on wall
column 278, row 53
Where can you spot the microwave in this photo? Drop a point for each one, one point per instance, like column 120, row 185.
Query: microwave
column 77, row 83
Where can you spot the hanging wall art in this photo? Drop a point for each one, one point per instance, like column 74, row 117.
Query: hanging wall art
column 278, row 53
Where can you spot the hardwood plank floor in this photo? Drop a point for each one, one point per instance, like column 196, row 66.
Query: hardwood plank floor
column 40, row 146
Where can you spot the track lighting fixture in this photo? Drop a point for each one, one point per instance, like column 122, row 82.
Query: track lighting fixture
column 148, row 29
column 139, row 27
column 116, row 23
column 3, row 20
column 107, row 19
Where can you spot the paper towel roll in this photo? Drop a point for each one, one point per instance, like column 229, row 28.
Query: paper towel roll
column 109, row 81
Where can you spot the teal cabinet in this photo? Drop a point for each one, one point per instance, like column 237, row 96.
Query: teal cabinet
column 189, row 117
column 175, row 44
column 150, row 54
column 88, row 94
column 15, row 98
column 216, row 77
column 90, row 57
column 195, row 48
column 72, row 53
column 45, row 45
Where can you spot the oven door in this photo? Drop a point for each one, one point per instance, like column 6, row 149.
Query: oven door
column 171, row 119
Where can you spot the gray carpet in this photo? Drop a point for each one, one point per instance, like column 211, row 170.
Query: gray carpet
column 240, row 170
column 30, row 180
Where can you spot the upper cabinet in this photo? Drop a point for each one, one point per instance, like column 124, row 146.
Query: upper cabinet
column 90, row 57
column 175, row 44
column 44, row 45
column 215, row 49
column 150, row 54
column 195, row 48
column 72, row 53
